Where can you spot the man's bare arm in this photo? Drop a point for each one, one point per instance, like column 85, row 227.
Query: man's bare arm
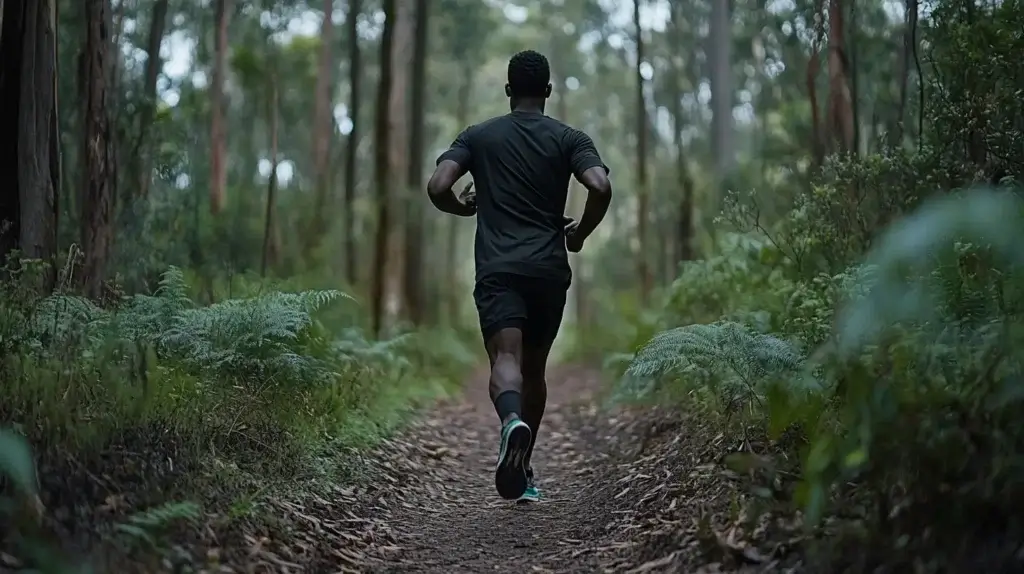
column 599, row 197
column 439, row 189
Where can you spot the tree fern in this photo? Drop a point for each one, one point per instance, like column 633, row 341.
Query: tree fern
column 726, row 354
column 258, row 336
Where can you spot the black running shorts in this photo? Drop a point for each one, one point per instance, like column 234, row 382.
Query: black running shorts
column 531, row 304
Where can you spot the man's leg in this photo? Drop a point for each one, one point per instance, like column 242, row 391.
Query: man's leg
column 502, row 315
column 505, row 351
column 535, row 388
column 545, row 308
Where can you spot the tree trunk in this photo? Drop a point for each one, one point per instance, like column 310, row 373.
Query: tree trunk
column 381, row 165
column 643, row 258
column 721, row 98
column 851, row 50
column 813, row 68
column 322, row 125
column 684, row 222
column 840, row 100
column 97, row 223
column 414, row 236
column 31, row 156
column 142, row 170
column 268, row 225
column 218, row 132
column 896, row 130
column 398, row 151
column 12, row 48
column 355, row 83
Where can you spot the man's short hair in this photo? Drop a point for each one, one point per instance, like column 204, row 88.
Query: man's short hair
column 529, row 74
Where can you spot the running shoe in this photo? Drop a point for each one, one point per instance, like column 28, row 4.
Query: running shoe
column 510, row 472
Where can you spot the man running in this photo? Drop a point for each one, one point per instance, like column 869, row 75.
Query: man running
column 521, row 163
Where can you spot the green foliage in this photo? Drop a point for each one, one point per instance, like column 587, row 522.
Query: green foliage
column 904, row 413
column 724, row 360
column 145, row 527
column 78, row 375
column 913, row 382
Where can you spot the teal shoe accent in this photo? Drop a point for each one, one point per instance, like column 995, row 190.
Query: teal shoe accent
column 510, row 471
column 532, row 493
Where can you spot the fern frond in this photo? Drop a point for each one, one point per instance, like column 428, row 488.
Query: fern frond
column 726, row 351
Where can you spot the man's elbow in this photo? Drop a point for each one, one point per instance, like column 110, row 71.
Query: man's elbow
column 596, row 181
column 600, row 186
column 434, row 187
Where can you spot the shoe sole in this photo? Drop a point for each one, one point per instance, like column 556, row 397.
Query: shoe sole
column 526, row 499
column 510, row 474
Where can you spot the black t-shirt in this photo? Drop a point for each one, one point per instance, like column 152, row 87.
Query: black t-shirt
column 521, row 163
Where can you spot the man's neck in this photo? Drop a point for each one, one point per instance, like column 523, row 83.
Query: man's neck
column 529, row 107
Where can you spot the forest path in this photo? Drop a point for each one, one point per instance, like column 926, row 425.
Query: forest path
column 638, row 490
column 448, row 517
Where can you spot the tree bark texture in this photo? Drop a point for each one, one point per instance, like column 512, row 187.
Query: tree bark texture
column 97, row 219
column 351, row 150
column 322, row 126
column 414, row 225
column 28, row 108
column 218, row 129
column 643, row 258
column 381, row 172
column 840, row 100
column 268, row 220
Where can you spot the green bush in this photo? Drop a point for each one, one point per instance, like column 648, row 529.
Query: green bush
column 79, row 376
column 911, row 388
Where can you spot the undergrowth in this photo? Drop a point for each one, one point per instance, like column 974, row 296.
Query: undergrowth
column 900, row 376
column 241, row 396
column 873, row 334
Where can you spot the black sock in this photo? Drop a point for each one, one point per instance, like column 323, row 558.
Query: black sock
column 509, row 403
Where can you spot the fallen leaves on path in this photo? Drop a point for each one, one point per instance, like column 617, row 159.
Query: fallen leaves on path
column 626, row 491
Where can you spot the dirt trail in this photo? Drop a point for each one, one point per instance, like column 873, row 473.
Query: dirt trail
column 632, row 491
column 451, row 519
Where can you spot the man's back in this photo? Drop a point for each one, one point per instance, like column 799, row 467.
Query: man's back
column 521, row 164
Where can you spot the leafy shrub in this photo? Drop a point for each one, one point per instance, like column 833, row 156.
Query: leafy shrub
column 725, row 363
column 911, row 392
column 258, row 358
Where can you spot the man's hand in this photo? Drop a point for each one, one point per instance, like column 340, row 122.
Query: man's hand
column 468, row 197
column 440, row 190
column 573, row 240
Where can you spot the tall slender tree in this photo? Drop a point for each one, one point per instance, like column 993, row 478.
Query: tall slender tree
column 382, row 145
column 141, row 168
column 684, row 223
column 721, row 96
column 352, row 148
column 97, row 221
column 643, row 192
column 273, row 114
column 218, row 130
column 413, row 276
column 322, row 126
column 840, row 108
